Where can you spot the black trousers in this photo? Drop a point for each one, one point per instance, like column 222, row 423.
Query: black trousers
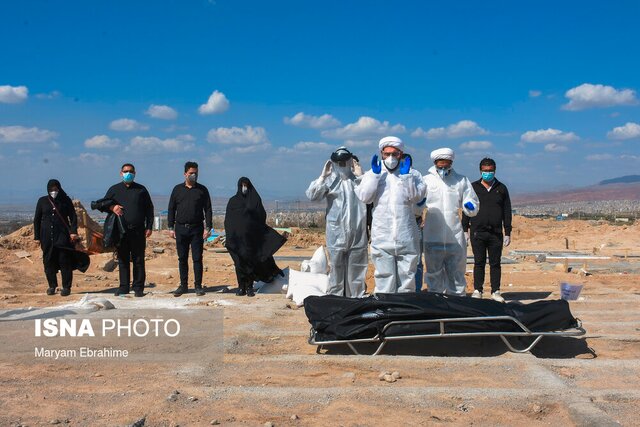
column 483, row 242
column 189, row 237
column 131, row 249
column 62, row 260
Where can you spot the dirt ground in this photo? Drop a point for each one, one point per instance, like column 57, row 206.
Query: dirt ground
column 271, row 374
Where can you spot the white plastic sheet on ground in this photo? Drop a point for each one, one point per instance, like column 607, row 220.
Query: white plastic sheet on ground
column 278, row 286
column 302, row 285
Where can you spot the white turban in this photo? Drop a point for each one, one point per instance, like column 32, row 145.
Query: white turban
column 442, row 154
column 391, row 141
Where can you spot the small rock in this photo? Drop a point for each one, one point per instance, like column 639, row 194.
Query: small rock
column 172, row 397
column 97, row 374
column 269, row 424
column 389, row 378
column 536, row 409
column 214, row 422
column 464, row 407
column 108, row 265
column 396, row 375
column 350, row 375
column 192, row 399
column 139, row 423
column 54, row 422
column 382, row 375
column 158, row 250
column 292, row 305
column 294, row 417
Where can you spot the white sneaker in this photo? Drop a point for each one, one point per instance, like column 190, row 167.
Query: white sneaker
column 496, row 296
column 476, row 294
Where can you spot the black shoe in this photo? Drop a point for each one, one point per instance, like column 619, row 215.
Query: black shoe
column 179, row 291
column 199, row 291
column 251, row 292
column 65, row 292
column 121, row 291
column 138, row 293
column 51, row 291
column 241, row 292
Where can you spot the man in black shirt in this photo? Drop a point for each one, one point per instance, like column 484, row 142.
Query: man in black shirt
column 189, row 208
column 133, row 203
column 486, row 228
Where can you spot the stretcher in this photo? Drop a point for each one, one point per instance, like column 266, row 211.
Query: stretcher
column 385, row 318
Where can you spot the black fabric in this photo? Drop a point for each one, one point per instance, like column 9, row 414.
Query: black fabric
column 189, row 237
column 481, row 243
column 131, row 250
column 61, row 260
column 495, row 210
column 341, row 318
column 189, row 205
column 138, row 207
column 249, row 240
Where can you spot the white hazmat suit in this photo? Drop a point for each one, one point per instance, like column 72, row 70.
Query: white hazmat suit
column 394, row 234
column 346, row 229
column 445, row 246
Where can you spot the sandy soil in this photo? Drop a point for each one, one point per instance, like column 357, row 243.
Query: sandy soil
column 271, row 374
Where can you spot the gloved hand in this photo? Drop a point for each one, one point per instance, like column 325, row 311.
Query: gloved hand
column 326, row 170
column 357, row 169
column 506, row 241
column 405, row 165
column 466, row 237
column 470, row 206
column 376, row 166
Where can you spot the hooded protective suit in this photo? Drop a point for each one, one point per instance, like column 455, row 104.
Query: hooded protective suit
column 445, row 247
column 394, row 234
column 346, row 229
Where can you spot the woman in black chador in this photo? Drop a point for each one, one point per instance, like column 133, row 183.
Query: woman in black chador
column 250, row 241
column 55, row 225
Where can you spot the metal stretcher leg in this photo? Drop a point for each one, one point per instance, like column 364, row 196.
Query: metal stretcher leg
column 511, row 348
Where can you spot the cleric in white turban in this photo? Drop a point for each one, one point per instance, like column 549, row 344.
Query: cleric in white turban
column 391, row 141
column 442, row 154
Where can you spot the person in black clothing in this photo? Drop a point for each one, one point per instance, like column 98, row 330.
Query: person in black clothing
column 189, row 208
column 133, row 203
column 486, row 228
column 55, row 225
column 249, row 240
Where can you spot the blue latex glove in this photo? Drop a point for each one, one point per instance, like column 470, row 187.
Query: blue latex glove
column 405, row 165
column 376, row 166
column 470, row 206
column 422, row 202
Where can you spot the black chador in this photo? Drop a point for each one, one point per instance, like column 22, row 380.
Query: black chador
column 54, row 222
column 249, row 240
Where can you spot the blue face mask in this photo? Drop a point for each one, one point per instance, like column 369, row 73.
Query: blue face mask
column 488, row 176
column 127, row 177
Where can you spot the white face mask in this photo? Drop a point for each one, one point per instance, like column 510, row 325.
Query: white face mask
column 53, row 194
column 244, row 189
column 391, row 162
column 443, row 172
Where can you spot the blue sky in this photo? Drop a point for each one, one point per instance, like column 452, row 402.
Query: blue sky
column 270, row 89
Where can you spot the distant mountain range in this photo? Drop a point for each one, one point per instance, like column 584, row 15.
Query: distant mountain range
column 627, row 179
column 622, row 188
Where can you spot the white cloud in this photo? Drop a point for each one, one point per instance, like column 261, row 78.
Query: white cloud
column 476, row 146
column 599, row 157
column 598, row 96
column 306, row 146
column 628, row 131
column 251, row 148
column 152, row 143
column 163, row 112
column 355, row 143
column 548, row 135
column 246, row 136
column 629, row 157
column 13, row 94
column 17, row 134
column 534, row 93
column 217, row 103
column 555, row 148
column 51, row 95
column 364, row 127
column 314, row 122
column 462, row 129
column 101, row 141
column 127, row 125
column 91, row 158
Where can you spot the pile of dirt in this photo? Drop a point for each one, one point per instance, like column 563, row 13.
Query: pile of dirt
column 305, row 238
column 89, row 231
